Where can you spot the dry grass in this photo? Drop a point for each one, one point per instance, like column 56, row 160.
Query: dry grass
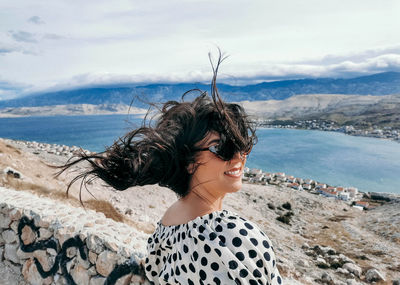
column 13, row 148
column 339, row 218
column 42, row 191
column 106, row 208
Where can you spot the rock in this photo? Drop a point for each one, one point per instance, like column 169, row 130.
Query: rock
column 111, row 246
column 305, row 246
column 27, row 235
column 342, row 271
column 80, row 275
column 92, row 271
column 396, row 282
column 352, row 282
column 51, row 251
column 5, row 221
column 318, row 250
column 10, row 252
column 374, row 275
column 9, row 236
column 40, row 222
column 71, row 252
column 352, row 268
column 303, row 263
column 321, row 263
column 344, row 259
column 326, row 250
column 1, row 254
column 95, row 244
column 326, row 278
column 84, row 263
column 14, row 226
column 106, row 262
column 15, row 268
column 97, row 280
column 23, row 255
column 15, row 214
column 139, row 280
column 124, row 280
column 32, row 276
column 92, row 257
column 2, row 241
column 45, row 260
column 4, row 209
column 62, row 235
column 44, row 234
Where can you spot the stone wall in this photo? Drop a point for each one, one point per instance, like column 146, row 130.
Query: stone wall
column 47, row 242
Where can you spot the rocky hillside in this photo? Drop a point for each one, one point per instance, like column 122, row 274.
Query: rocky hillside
column 71, row 110
column 343, row 109
column 317, row 240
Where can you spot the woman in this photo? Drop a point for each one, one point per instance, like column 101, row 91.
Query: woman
column 198, row 149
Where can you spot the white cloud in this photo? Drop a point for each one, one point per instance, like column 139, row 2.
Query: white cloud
column 105, row 41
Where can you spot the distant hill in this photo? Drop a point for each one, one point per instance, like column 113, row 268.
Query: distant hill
column 378, row 84
column 358, row 110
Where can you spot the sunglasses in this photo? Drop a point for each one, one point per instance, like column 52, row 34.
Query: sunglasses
column 225, row 153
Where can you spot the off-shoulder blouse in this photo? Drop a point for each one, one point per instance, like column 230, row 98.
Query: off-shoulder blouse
column 217, row 248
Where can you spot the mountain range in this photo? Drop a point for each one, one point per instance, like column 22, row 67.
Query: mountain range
column 377, row 84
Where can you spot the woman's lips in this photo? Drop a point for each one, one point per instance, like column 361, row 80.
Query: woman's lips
column 234, row 172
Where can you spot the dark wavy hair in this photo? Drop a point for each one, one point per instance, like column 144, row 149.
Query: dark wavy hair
column 162, row 153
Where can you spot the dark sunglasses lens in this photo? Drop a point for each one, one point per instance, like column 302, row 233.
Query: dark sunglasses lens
column 227, row 151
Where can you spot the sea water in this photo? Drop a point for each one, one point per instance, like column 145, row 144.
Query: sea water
column 333, row 158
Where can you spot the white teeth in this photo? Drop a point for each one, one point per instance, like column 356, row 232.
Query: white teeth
column 236, row 172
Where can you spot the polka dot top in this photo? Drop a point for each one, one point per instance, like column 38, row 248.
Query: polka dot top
column 217, row 248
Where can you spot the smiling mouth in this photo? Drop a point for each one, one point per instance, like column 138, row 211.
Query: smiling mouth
column 236, row 172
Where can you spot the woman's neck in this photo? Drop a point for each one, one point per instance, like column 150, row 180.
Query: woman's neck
column 202, row 202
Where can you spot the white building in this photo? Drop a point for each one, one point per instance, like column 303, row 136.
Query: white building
column 344, row 196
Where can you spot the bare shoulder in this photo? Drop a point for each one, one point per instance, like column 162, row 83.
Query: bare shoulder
column 174, row 215
column 177, row 214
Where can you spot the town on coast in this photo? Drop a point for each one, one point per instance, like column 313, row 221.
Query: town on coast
column 351, row 195
column 330, row 126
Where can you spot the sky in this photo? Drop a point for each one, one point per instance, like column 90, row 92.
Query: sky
column 54, row 45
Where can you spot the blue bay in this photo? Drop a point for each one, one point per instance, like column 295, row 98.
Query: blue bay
column 333, row 158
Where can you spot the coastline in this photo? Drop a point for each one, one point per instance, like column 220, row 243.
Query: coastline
column 328, row 126
column 71, row 110
column 59, row 153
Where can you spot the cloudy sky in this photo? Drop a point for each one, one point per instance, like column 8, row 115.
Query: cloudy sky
column 48, row 45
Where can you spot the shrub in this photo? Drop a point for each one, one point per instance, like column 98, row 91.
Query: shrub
column 289, row 214
column 284, row 219
column 322, row 265
column 287, row 206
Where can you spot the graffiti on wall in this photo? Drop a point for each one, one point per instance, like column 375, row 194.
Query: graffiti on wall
column 62, row 259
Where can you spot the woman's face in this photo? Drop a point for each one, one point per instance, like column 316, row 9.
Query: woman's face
column 215, row 175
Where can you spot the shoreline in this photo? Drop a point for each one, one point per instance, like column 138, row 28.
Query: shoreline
column 350, row 195
column 281, row 179
column 327, row 126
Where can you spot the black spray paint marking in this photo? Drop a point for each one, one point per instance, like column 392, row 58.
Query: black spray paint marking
column 62, row 259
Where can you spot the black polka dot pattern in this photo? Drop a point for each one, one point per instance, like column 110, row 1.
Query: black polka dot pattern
column 217, row 248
